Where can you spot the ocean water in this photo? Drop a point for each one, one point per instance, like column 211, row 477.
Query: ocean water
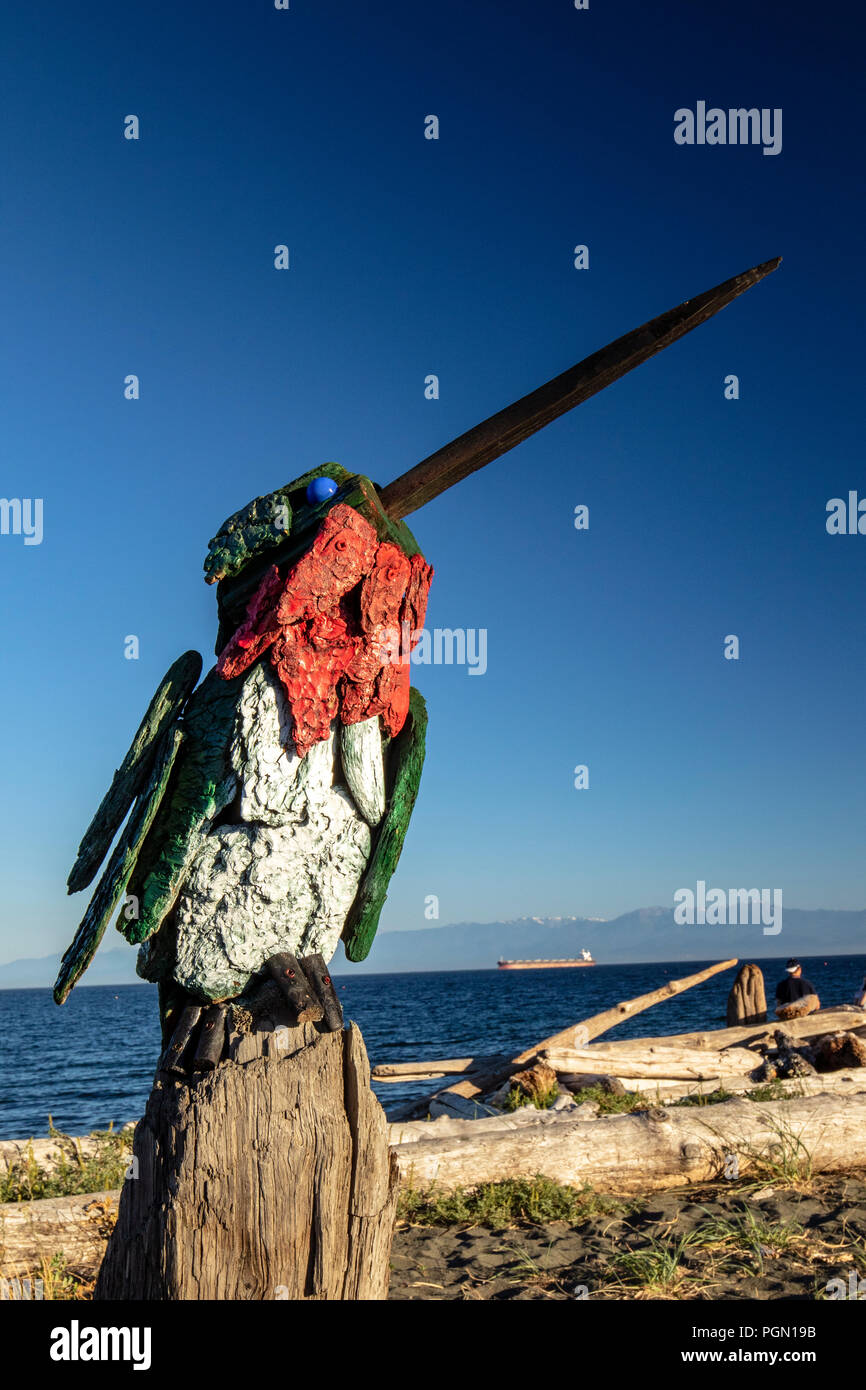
column 91, row 1062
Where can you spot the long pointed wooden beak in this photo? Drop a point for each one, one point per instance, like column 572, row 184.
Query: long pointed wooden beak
column 517, row 422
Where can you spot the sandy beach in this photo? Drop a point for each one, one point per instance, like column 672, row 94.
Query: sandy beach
column 723, row 1241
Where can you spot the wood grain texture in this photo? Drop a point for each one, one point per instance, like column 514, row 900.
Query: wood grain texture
column 501, row 432
column 580, row 1033
column 406, row 759
column 747, row 1035
column 661, row 1092
column 165, row 707
column 645, row 1152
column 420, row 1071
column 113, row 884
column 665, row 1063
column 268, row 1178
column 375, row 1179
column 31, row 1232
column 747, row 1002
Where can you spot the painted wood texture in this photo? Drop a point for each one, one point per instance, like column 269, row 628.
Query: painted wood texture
column 113, row 884
column 204, row 785
column 265, row 524
column 337, row 651
column 362, row 758
column 355, row 491
column 406, row 756
column 165, row 707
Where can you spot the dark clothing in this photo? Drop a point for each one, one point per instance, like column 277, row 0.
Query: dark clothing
column 792, row 988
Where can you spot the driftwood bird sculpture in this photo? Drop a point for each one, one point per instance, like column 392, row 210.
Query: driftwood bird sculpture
column 266, row 807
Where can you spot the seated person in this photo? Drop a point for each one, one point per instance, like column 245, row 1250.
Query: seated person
column 860, row 996
column 795, row 995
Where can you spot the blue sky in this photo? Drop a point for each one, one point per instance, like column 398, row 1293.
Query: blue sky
column 454, row 257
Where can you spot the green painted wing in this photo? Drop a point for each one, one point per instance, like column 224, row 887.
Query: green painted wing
column 203, row 786
column 406, row 756
column 113, row 884
column 163, row 710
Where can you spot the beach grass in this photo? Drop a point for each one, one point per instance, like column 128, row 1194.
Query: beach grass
column 542, row 1100
column 610, row 1104
column 535, row 1201
column 73, row 1173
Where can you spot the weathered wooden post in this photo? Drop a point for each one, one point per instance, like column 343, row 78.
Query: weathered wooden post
column 265, row 810
column 268, row 1177
column 747, row 1002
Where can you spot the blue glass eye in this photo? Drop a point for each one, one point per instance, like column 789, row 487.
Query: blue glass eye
column 319, row 490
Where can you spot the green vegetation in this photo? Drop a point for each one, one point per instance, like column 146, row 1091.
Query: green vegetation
column 771, row 1090
column 708, row 1098
column 749, row 1234
column 609, row 1104
column 656, row 1269
column 535, row 1200
column 784, row 1162
column 542, row 1100
column 691, row 1265
column 74, row 1174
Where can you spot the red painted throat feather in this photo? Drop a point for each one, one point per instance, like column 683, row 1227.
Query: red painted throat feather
column 333, row 628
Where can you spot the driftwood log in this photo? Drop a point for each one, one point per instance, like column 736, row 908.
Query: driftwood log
column 846, row 1017
column 430, row 1071
column 806, row 1029
column 747, row 1002
column 268, row 1177
column 662, row 1091
column 579, row 1034
column 32, row 1233
column 650, row 1150
column 659, row 1063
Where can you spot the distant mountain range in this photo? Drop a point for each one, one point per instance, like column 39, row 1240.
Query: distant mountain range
column 648, row 934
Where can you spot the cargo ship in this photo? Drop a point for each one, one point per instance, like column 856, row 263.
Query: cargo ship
column 585, row 959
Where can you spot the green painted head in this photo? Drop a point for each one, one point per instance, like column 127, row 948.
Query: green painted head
column 268, row 522
column 278, row 528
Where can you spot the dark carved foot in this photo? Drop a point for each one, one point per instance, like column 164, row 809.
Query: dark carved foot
column 197, row 1040
column 295, row 987
column 316, row 971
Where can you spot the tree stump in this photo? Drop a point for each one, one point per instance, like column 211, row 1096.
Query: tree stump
column 747, row 1002
column 838, row 1051
column 269, row 1177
